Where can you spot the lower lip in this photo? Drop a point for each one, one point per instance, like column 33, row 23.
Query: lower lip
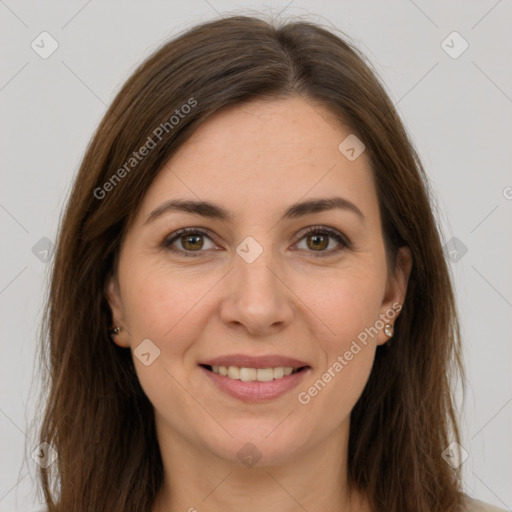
column 255, row 391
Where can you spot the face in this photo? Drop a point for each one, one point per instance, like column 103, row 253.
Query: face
column 257, row 288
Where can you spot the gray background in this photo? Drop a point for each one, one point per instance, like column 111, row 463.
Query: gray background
column 458, row 111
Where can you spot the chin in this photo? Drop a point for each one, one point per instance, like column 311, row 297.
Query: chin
column 257, row 445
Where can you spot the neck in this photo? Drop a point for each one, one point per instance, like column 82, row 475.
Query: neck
column 314, row 481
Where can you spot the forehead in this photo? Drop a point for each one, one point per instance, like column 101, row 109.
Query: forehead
column 263, row 155
column 267, row 130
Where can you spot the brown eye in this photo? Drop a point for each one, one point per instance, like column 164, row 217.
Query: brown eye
column 318, row 239
column 187, row 241
column 192, row 242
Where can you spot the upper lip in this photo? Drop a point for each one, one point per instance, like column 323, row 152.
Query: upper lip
column 245, row 361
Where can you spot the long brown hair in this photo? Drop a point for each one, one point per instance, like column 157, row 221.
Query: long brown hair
column 97, row 416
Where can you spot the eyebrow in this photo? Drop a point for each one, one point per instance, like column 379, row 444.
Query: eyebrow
column 215, row 211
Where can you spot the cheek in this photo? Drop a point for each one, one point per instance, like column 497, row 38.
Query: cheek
column 350, row 308
column 344, row 305
column 336, row 385
column 159, row 302
column 335, row 390
column 165, row 309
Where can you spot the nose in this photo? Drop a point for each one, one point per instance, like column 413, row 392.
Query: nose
column 257, row 297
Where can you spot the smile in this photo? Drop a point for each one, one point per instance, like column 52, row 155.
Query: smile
column 254, row 384
column 253, row 374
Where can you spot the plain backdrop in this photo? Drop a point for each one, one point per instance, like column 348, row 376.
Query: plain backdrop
column 453, row 91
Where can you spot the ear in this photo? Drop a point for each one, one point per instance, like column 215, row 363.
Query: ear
column 396, row 290
column 113, row 296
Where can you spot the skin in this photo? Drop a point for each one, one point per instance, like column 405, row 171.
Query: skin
column 256, row 160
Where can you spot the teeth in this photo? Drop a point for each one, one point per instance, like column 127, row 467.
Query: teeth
column 278, row 372
column 245, row 374
column 234, row 372
column 265, row 374
column 252, row 374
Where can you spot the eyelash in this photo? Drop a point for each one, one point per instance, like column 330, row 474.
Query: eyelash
column 322, row 230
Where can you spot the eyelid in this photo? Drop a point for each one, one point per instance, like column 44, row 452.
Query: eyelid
column 333, row 232
column 342, row 239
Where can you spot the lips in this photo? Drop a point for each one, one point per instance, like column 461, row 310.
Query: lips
column 250, row 378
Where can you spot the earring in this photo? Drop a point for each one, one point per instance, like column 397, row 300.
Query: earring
column 388, row 329
column 116, row 330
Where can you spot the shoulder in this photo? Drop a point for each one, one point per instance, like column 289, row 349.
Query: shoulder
column 473, row 505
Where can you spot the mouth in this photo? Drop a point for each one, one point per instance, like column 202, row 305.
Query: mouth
column 254, row 379
column 246, row 374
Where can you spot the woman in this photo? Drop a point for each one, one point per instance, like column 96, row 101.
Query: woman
column 250, row 307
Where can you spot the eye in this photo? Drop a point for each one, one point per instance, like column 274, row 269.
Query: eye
column 191, row 241
column 317, row 237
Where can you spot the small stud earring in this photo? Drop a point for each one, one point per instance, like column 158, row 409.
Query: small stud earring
column 115, row 330
column 388, row 329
